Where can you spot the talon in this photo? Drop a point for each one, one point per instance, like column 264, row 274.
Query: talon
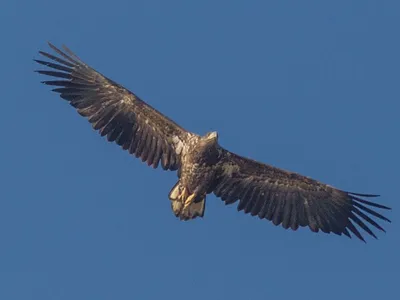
column 189, row 201
column 183, row 194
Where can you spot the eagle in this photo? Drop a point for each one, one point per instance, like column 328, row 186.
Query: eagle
column 203, row 166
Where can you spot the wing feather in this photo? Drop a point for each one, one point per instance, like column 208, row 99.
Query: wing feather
column 291, row 199
column 114, row 111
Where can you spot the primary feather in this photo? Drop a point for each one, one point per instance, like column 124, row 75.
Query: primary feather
column 291, row 199
column 114, row 111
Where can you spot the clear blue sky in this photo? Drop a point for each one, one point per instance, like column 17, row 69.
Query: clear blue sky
column 309, row 86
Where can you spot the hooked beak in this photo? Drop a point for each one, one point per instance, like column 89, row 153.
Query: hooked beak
column 213, row 136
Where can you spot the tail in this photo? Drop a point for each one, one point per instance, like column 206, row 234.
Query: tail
column 179, row 197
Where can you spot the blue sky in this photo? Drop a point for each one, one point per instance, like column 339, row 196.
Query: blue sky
column 309, row 86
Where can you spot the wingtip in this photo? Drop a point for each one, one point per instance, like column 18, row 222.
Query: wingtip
column 376, row 237
column 36, row 61
column 363, row 195
column 369, row 202
column 362, row 238
column 42, row 53
column 53, row 47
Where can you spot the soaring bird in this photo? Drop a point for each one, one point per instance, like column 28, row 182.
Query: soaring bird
column 203, row 166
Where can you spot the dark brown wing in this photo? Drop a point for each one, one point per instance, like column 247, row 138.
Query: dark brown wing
column 115, row 111
column 291, row 199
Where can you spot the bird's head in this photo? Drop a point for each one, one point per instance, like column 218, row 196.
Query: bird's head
column 212, row 136
column 208, row 147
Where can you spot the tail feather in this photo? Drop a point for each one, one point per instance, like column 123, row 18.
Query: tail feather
column 175, row 192
column 195, row 209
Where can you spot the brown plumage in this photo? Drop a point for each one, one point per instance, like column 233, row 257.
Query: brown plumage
column 203, row 166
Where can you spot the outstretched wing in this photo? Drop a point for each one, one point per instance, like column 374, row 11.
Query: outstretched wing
column 115, row 111
column 291, row 199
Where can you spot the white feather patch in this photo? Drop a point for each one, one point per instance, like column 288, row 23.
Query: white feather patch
column 230, row 169
column 178, row 144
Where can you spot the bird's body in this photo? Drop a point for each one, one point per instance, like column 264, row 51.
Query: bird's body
column 202, row 164
column 198, row 171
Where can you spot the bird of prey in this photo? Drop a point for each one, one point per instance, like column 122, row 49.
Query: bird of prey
column 203, row 166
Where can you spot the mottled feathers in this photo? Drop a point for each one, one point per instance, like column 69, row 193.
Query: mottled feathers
column 114, row 111
column 284, row 198
column 291, row 199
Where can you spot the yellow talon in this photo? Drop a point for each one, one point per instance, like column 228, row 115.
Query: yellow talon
column 184, row 194
column 189, row 201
